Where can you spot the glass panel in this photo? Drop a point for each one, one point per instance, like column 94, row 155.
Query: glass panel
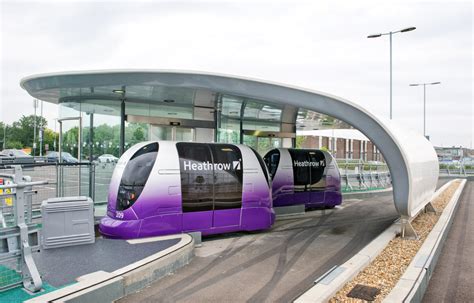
column 229, row 131
column 227, row 176
column 135, row 133
column 184, row 134
column 70, row 140
column 261, row 125
column 272, row 159
column 311, row 120
column 231, row 106
column 261, row 111
column 251, row 141
column 135, row 175
column 197, row 176
column 160, row 133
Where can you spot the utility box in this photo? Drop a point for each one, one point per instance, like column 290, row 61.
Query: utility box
column 67, row 221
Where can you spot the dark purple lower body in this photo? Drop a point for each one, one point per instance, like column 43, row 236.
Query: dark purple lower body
column 206, row 222
column 309, row 199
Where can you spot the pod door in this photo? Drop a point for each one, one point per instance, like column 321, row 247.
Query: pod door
column 308, row 176
column 227, row 184
column 210, row 185
column 318, row 180
column 301, row 176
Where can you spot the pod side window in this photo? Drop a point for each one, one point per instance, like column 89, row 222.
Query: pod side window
column 228, row 172
column 197, row 177
column 262, row 165
column 272, row 159
column 318, row 164
column 301, row 169
column 135, row 175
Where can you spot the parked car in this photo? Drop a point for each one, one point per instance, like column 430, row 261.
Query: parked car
column 66, row 157
column 6, row 159
column 17, row 155
column 107, row 158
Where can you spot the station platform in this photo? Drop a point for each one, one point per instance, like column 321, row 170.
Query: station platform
column 60, row 267
column 454, row 272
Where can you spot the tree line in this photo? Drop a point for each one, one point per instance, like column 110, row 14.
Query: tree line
column 105, row 140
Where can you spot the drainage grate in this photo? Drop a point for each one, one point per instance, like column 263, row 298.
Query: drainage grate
column 364, row 292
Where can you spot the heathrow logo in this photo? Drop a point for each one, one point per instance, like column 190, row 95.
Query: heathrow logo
column 309, row 163
column 189, row 165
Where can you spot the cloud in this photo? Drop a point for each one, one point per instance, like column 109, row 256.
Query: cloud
column 319, row 45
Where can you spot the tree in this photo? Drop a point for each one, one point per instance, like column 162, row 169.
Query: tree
column 21, row 133
column 138, row 135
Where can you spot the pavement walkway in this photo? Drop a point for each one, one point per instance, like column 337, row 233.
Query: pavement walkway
column 452, row 280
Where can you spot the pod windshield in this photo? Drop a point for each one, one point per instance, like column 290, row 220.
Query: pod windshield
column 135, row 175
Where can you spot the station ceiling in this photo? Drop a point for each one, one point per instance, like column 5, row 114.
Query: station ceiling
column 410, row 157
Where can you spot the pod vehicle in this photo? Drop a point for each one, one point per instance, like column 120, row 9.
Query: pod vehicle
column 166, row 187
column 304, row 176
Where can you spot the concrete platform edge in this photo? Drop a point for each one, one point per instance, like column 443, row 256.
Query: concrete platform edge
column 413, row 283
column 107, row 287
column 323, row 292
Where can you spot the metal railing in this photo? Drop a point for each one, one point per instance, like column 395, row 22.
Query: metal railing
column 359, row 175
column 19, row 236
column 456, row 170
column 67, row 179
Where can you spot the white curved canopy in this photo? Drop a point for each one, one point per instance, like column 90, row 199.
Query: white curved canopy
column 410, row 157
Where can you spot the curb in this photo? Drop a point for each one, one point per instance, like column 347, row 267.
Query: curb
column 366, row 194
column 412, row 285
column 331, row 282
column 101, row 286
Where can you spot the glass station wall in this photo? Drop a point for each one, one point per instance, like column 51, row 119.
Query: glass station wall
column 105, row 119
column 238, row 121
column 239, row 115
column 106, row 126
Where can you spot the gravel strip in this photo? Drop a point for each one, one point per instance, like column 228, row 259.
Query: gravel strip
column 387, row 268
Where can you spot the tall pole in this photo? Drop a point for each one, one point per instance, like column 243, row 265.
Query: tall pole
column 408, row 29
column 35, row 104
column 390, row 75
column 41, row 131
column 122, row 128
column 424, row 102
column 424, row 110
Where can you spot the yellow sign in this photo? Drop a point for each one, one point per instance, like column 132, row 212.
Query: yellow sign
column 8, row 201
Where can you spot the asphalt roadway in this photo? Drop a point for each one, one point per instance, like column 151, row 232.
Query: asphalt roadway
column 453, row 277
column 276, row 265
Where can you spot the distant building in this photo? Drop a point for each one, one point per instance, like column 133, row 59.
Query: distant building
column 341, row 143
column 454, row 154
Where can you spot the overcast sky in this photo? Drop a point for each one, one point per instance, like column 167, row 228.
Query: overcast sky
column 320, row 45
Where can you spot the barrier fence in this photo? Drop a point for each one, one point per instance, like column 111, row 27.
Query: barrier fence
column 19, row 236
column 358, row 175
column 64, row 179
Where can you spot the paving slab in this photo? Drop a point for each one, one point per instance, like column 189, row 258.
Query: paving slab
column 453, row 276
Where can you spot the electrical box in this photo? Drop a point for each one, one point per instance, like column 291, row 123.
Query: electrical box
column 67, row 221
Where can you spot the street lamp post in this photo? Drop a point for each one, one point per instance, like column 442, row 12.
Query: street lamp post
column 408, row 29
column 424, row 102
column 35, row 105
column 122, row 93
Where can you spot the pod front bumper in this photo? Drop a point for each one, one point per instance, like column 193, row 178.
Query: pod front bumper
column 119, row 229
